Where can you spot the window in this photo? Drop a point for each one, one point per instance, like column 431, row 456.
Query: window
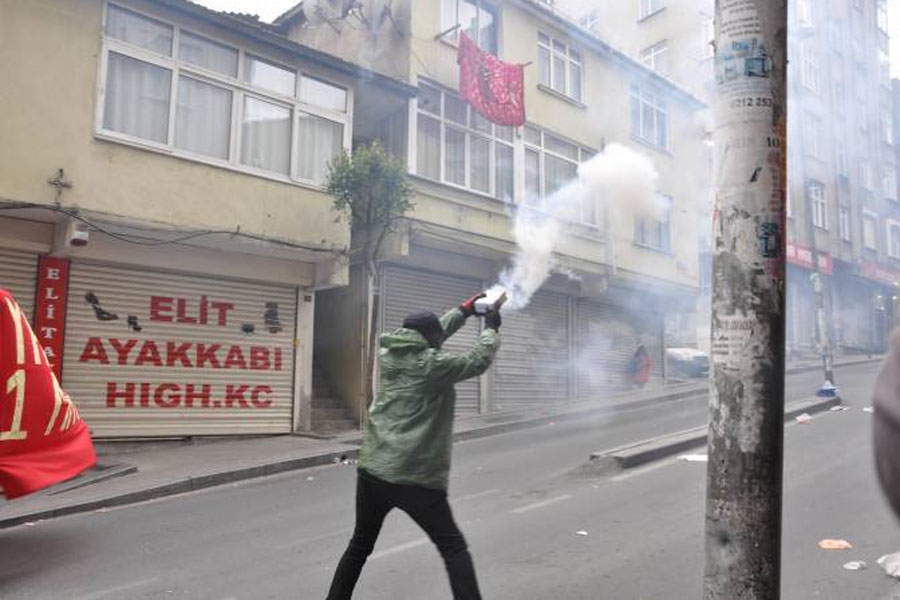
column 550, row 163
column 884, row 67
column 839, row 95
column 835, row 38
column 893, row 239
column 844, row 223
column 841, row 160
column 813, row 134
column 560, row 67
column 475, row 17
column 869, row 230
column 656, row 57
column 650, row 7
column 238, row 110
column 817, row 203
column 648, row 117
column 456, row 145
column 809, row 74
column 591, row 20
column 804, row 12
column 865, row 175
column 889, row 182
column 882, row 16
column 655, row 233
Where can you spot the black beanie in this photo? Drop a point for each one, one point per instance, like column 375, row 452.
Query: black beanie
column 427, row 324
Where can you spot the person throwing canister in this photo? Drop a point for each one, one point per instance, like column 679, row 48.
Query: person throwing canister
column 404, row 461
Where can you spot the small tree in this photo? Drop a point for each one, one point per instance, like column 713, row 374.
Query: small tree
column 372, row 192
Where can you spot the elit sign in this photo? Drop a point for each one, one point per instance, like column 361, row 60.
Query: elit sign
column 50, row 309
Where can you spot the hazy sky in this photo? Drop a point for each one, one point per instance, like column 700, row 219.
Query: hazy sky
column 269, row 9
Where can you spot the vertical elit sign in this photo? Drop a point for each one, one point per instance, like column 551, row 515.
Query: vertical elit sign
column 50, row 309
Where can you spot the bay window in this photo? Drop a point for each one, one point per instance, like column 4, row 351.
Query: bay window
column 168, row 89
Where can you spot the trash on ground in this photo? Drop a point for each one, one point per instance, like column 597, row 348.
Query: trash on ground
column 855, row 565
column 582, row 532
column 835, row 545
column 840, row 408
column 869, row 409
column 828, row 390
column 804, row 419
column 694, row 458
column 891, row 564
column 310, row 478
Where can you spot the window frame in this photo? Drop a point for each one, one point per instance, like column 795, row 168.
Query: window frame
column 814, row 130
column 568, row 61
column 641, row 223
column 658, row 105
column 889, row 183
column 810, row 71
column 892, row 231
column 469, row 131
column 239, row 89
column 650, row 56
column 844, row 223
column 870, row 217
column 480, row 5
column 646, row 8
column 818, row 204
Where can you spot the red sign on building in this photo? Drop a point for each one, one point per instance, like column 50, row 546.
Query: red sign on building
column 879, row 273
column 803, row 257
column 50, row 309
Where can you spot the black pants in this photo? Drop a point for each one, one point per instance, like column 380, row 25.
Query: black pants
column 429, row 508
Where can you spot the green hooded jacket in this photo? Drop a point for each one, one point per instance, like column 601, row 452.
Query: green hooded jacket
column 409, row 434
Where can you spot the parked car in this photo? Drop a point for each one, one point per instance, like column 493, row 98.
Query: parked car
column 687, row 362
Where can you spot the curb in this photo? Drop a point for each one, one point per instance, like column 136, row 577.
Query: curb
column 647, row 451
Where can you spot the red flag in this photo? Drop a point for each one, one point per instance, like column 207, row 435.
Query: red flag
column 495, row 89
column 43, row 440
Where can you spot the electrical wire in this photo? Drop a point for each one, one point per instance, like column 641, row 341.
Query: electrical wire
column 131, row 239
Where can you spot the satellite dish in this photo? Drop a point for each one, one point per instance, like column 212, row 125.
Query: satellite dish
column 321, row 12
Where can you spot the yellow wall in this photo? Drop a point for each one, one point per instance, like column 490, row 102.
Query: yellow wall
column 49, row 57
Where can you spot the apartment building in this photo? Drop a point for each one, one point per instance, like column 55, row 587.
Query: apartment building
column 619, row 273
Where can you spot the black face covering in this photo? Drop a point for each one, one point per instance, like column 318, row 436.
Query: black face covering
column 428, row 325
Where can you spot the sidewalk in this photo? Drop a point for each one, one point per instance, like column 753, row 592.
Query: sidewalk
column 130, row 472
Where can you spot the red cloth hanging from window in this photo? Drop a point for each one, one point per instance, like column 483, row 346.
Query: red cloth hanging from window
column 43, row 440
column 495, row 89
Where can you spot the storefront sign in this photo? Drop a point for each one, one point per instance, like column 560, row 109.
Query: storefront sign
column 50, row 309
column 803, row 257
column 879, row 273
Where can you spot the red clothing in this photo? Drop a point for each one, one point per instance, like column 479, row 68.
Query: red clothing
column 43, row 440
column 642, row 375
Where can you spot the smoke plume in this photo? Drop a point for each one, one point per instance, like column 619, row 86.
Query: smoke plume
column 617, row 178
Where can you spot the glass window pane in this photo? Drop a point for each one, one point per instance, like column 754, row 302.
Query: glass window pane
column 532, row 136
column 137, row 98
column 138, row 30
column 455, row 156
column 559, row 46
column 487, row 34
column 480, row 123
column 543, row 38
column 648, row 122
column 428, row 148
column 455, row 109
column 661, row 130
column 468, row 18
column 480, row 164
column 532, row 174
column 574, row 54
column 635, row 116
column 448, row 14
column 429, row 99
column 589, row 210
column 319, row 141
column 557, row 172
column 575, row 81
column 208, row 55
column 322, row 94
column 266, row 136
column 504, row 132
column 504, row 172
column 203, row 118
column 557, row 145
column 269, row 76
column 559, row 74
column 544, row 64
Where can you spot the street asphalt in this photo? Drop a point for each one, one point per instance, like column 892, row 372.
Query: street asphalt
column 536, row 530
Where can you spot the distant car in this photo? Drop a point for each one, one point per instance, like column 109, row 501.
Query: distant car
column 687, row 362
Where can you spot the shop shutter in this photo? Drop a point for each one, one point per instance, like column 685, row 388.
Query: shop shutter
column 607, row 338
column 410, row 291
column 240, row 351
column 532, row 367
column 18, row 275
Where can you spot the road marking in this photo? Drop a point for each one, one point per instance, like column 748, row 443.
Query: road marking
column 310, row 540
column 400, row 548
column 476, row 495
column 115, row 590
column 540, row 504
column 637, row 472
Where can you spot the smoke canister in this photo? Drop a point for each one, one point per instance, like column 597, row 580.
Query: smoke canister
column 493, row 301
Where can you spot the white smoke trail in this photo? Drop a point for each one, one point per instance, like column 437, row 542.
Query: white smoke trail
column 618, row 176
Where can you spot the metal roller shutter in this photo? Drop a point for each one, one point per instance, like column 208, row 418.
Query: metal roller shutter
column 607, row 338
column 189, row 364
column 409, row 291
column 18, row 275
column 532, row 366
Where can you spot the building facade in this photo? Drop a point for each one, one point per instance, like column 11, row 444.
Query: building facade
column 162, row 219
column 620, row 273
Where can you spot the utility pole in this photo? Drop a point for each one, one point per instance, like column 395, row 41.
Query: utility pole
column 746, row 413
